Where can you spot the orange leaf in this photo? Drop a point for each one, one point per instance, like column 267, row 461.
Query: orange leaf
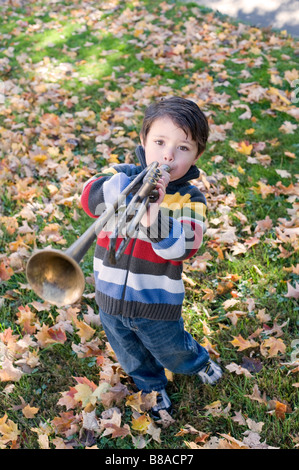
column 48, row 336
column 280, row 410
column 242, row 343
column 26, row 319
column 5, row 271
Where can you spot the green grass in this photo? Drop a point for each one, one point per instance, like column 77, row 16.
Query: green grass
column 121, row 57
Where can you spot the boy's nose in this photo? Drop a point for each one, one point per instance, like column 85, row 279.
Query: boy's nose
column 168, row 156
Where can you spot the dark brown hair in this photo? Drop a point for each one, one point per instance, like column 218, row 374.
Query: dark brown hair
column 185, row 113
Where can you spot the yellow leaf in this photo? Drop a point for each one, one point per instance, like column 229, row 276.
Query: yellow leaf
column 240, row 170
column 9, row 430
column 84, row 331
column 169, row 375
column 242, row 343
column 29, row 411
column 141, row 424
column 40, row 158
column 138, row 32
column 244, row 148
column 84, row 394
column 113, row 158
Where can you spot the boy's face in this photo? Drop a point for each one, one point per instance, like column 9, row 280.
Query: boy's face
column 168, row 144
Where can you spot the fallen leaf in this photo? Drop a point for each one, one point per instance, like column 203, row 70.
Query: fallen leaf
column 241, row 343
column 141, row 424
column 272, row 346
column 29, row 411
column 238, row 370
column 293, row 292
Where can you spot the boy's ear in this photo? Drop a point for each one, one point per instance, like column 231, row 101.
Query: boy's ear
column 141, row 140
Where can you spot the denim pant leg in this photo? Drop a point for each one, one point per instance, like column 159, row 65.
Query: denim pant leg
column 147, row 373
column 171, row 345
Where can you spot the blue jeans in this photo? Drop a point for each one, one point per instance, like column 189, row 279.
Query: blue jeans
column 145, row 347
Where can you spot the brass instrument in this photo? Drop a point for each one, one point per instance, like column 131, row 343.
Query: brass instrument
column 56, row 277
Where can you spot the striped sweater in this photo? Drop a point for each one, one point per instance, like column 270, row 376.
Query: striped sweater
column 147, row 280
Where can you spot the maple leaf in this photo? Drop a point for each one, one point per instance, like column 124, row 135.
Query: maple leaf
column 230, row 442
column 66, row 423
column 50, row 335
column 142, row 401
column 242, row 343
column 234, row 315
column 112, row 425
column 5, row 271
column 141, row 424
column 84, row 395
column 210, row 347
column 232, row 181
column 68, row 399
column 238, row 370
column 29, row 411
column 256, row 395
column 27, row 319
column 9, row 430
column 245, row 148
column 264, row 189
column 84, row 331
column 8, row 372
column 90, row 421
column 280, row 410
column 262, row 316
column 272, row 346
column 293, row 292
column 113, row 394
column 238, row 418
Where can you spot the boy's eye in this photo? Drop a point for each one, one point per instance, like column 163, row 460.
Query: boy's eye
column 185, row 149
column 159, row 142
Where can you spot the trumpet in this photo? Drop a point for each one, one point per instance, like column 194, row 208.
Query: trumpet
column 56, row 276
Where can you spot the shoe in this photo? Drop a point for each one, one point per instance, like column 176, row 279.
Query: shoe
column 210, row 373
column 163, row 403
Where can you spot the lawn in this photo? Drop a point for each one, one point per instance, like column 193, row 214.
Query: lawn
column 75, row 78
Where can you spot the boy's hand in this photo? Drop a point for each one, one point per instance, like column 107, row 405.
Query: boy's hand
column 153, row 209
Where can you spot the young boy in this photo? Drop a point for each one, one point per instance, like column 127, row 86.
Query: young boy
column 140, row 298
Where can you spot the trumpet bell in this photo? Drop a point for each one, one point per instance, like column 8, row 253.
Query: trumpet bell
column 55, row 277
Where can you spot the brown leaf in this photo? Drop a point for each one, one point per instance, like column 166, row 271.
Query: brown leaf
column 66, row 423
column 256, row 395
column 272, row 346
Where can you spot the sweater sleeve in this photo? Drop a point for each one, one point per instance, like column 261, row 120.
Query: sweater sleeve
column 104, row 188
column 177, row 233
